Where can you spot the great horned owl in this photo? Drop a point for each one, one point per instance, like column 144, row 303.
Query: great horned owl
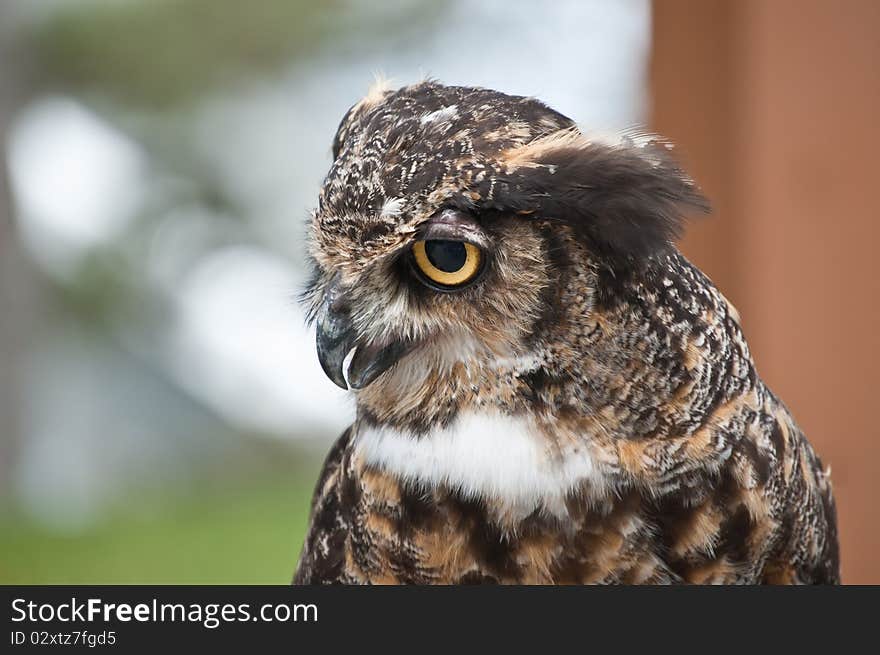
column 547, row 390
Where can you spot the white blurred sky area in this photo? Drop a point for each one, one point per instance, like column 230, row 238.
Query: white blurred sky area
column 233, row 349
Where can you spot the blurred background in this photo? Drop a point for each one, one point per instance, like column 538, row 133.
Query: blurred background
column 162, row 412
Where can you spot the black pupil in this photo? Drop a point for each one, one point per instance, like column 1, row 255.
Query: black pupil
column 448, row 256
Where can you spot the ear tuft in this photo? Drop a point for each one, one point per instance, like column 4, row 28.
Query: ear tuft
column 377, row 91
column 624, row 197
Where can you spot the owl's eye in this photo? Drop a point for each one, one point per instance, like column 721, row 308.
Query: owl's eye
column 447, row 264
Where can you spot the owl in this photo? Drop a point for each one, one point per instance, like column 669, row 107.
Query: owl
column 547, row 391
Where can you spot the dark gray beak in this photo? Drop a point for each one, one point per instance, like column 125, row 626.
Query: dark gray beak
column 336, row 337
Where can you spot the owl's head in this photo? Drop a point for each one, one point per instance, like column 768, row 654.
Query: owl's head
column 448, row 218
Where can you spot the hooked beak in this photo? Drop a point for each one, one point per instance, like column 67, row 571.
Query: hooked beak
column 336, row 337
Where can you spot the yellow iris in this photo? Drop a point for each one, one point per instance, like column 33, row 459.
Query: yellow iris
column 447, row 263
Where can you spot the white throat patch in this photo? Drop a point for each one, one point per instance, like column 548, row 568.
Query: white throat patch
column 497, row 458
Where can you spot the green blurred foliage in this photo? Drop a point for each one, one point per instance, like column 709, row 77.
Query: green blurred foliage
column 163, row 51
column 102, row 287
column 160, row 52
column 248, row 532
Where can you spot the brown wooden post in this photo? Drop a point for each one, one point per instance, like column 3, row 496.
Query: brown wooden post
column 774, row 105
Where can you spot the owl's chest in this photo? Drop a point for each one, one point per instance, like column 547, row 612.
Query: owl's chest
column 398, row 533
column 487, row 499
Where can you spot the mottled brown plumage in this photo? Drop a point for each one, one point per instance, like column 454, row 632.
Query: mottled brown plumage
column 585, row 411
